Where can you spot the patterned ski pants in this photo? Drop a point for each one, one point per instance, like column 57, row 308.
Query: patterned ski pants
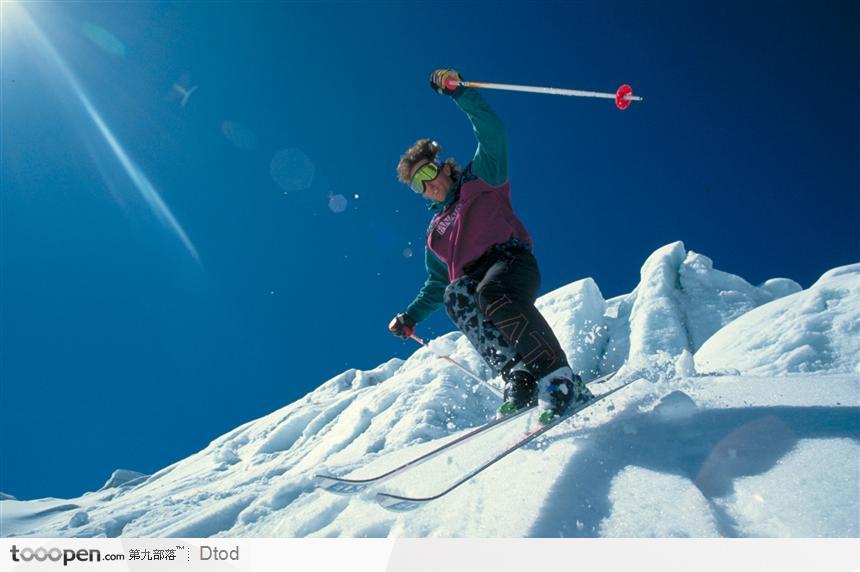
column 493, row 305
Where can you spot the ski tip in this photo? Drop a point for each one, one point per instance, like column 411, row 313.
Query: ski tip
column 396, row 503
column 338, row 486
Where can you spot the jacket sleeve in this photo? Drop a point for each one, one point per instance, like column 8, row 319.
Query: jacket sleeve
column 491, row 158
column 433, row 292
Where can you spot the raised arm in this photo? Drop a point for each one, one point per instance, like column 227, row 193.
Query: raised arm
column 491, row 158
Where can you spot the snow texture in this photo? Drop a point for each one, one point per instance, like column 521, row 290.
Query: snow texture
column 816, row 330
column 692, row 449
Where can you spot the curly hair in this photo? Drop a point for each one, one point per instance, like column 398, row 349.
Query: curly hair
column 422, row 150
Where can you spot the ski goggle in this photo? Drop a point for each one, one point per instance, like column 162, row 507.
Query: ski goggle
column 424, row 174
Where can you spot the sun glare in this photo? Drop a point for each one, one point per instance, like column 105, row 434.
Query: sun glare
column 14, row 15
column 10, row 15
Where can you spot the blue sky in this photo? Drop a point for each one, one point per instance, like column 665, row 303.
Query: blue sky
column 161, row 286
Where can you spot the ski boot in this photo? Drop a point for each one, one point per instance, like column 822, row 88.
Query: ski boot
column 520, row 392
column 559, row 391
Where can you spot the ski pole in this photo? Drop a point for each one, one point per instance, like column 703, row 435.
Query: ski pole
column 447, row 358
column 623, row 95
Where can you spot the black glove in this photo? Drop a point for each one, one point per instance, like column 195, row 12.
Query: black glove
column 438, row 79
column 402, row 325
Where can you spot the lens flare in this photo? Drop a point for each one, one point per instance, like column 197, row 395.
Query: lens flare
column 337, row 203
column 106, row 41
column 292, row 170
column 239, row 135
column 182, row 90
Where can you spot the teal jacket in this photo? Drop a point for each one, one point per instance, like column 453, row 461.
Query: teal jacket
column 490, row 164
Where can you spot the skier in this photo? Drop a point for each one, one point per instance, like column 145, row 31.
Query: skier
column 480, row 264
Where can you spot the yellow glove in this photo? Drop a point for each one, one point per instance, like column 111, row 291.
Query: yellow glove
column 440, row 80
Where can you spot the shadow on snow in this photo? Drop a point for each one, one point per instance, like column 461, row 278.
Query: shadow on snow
column 710, row 447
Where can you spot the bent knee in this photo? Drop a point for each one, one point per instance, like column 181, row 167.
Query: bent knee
column 459, row 296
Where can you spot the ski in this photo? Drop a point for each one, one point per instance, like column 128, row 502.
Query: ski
column 404, row 503
column 341, row 485
column 350, row 486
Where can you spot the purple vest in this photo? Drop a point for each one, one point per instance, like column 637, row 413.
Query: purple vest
column 482, row 217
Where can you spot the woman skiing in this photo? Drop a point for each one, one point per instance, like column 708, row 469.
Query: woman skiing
column 480, row 264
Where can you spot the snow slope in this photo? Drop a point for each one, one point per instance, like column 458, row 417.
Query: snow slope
column 678, row 453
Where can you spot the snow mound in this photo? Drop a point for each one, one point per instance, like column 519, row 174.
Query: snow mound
column 815, row 330
column 80, row 518
column 781, row 287
column 122, row 477
column 675, row 406
column 576, row 314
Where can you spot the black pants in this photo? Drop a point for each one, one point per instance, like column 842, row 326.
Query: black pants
column 493, row 305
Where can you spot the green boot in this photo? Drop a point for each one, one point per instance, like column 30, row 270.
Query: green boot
column 507, row 408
